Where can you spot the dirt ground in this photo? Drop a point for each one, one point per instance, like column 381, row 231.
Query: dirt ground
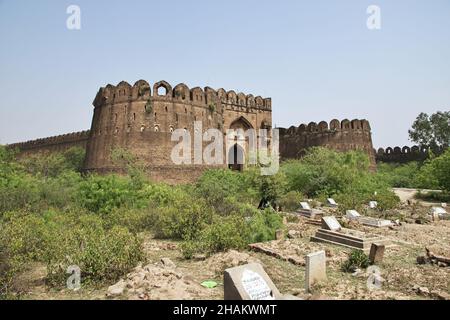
column 177, row 278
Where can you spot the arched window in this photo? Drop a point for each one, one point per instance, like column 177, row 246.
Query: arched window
column 162, row 91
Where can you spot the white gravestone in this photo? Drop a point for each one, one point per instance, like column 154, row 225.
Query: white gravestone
column 331, row 223
column 249, row 282
column 305, row 205
column 315, row 269
column 255, row 286
column 331, row 202
column 438, row 211
column 352, row 214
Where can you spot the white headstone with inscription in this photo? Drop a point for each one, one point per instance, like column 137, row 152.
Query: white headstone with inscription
column 249, row 282
column 255, row 286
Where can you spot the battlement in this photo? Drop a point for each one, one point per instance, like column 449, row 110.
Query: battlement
column 405, row 154
column 162, row 90
column 69, row 138
column 323, row 126
column 338, row 135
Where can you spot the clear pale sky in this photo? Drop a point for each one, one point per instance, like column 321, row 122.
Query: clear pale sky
column 316, row 59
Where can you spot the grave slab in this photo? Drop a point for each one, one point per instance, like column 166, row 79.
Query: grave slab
column 352, row 214
column 249, row 282
column 315, row 269
column 331, row 223
column 331, row 203
column 376, row 253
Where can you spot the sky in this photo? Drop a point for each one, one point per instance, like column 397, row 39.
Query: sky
column 317, row 60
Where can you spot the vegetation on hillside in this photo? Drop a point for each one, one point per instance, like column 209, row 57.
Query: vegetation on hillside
column 51, row 214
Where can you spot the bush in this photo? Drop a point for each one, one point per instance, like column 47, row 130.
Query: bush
column 54, row 164
column 100, row 254
column 291, row 201
column 183, row 220
column 357, row 259
column 102, row 194
column 135, row 220
column 223, row 234
column 216, row 186
column 63, row 239
column 263, row 225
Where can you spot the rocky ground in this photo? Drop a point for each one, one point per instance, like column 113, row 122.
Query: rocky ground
column 166, row 275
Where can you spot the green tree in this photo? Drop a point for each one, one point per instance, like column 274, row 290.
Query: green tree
column 431, row 131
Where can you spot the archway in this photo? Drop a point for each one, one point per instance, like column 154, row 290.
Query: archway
column 236, row 158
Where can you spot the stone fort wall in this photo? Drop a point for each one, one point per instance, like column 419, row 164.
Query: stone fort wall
column 405, row 154
column 52, row 144
column 142, row 118
column 342, row 135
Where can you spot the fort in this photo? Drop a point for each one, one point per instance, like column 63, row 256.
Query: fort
column 141, row 119
column 405, row 154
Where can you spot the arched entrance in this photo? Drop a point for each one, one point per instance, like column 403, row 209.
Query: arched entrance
column 236, row 158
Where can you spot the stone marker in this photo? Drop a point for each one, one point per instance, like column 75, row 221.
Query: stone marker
column 376, row 253
column 305, row 205
column 279, row 234
column 438, row 210
column 249, row 282
column 373, row 204
column 331, row 202
column 352, row 214
column 315, row 269
column 331, row 223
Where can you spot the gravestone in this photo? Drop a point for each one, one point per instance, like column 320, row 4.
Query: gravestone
column 249, row 282
column 373, row 204
column 315, row 269
column 376, row 253
column 331, row 202
column 438, row 211
column 331, row 223
column 305, row 205
column 352, row 214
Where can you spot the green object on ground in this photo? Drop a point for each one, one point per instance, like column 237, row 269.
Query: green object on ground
column 209, row 284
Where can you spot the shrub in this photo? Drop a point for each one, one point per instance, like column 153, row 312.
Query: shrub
column 135, row 220
column 215, row 186
column 101, row 194
column 223, row 234
column 386, row 199
column 357, row 259
column 263, row 225
column 63, row 239
column 100, row 254
column 291, row 200
column 183, row 220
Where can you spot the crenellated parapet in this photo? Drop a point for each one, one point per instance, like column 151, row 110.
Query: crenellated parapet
column 406, row 154
column 342, row 135
column 51, row 144
column 68, row 138
column 324, row 127
column 163, row 91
